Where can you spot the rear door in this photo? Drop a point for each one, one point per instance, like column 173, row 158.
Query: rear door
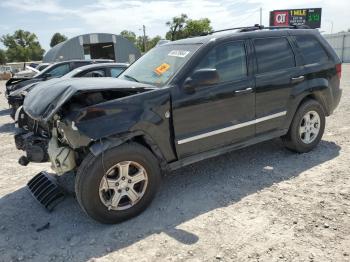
column 276, row 74
column 220, row 114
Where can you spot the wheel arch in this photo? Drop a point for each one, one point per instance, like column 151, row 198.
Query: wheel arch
column 138, row 137
column 317, row 97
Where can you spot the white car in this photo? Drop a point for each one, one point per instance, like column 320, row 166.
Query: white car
column 5, row 72
column 31, row 71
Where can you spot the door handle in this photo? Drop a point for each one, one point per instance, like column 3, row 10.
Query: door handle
column 298, row 79
column 244, row 91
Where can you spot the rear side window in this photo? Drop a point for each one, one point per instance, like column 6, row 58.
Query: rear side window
column 94, row 73
column 228, row 59
column 311, row 49
column 273, row 54
column 115, row 71
column 59, row 70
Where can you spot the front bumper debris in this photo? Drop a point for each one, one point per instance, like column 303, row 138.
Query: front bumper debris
column 34, row 146
column 46, row 190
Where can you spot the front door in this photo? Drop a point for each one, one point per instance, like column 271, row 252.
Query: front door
column 216, row 115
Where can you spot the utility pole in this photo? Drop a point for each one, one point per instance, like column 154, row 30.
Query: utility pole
column 260, row 15
column 332, row 27
column 331, row 22
column 144, row 37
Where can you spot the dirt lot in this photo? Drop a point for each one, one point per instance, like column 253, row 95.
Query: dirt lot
column 262, row 203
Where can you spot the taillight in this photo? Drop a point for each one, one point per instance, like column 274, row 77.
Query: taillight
column 338, row 69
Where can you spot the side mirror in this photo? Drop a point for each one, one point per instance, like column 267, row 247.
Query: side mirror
column 201, row 77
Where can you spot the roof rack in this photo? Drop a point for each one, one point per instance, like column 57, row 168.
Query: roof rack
column 258, row 27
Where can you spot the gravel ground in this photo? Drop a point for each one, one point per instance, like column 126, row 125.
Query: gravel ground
column 262, row 203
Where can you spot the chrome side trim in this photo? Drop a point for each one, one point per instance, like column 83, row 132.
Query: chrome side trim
column 230, row 128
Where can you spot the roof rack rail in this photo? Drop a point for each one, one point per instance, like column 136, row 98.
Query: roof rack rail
column 258, row 27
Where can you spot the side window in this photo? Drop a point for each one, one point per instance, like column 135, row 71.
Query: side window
column 228, row 59
column 273, row 54
column 94, row 73
column 311, row 49
column 115, row 71
column 59, row 70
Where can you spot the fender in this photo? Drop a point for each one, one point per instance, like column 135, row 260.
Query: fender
column 142, row 114
column 107, row 143
column 317, row 89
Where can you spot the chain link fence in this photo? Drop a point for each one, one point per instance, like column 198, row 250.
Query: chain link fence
column 341, row 44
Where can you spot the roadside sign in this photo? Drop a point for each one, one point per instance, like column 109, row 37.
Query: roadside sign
column 308, row 16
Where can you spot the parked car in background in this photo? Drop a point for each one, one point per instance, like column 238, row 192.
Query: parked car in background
column 42, row 66
column 184, row 101
column 98, row 70
column 55, row 70
column 5, row 72
column 31, row 71
column 16, row 97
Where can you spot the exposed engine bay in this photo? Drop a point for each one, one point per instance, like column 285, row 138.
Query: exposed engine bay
column 57, row 138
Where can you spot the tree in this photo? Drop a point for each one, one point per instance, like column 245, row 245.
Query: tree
column 197, row 27
column 57, row 38
column 22, row 46
column 138, row 40
column 176, row 27
column 182, row 27
column 131, row 36
column 152, row 43
column 139, row 43
column 2, row 57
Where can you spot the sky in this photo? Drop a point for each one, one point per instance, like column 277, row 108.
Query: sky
column 75, row 17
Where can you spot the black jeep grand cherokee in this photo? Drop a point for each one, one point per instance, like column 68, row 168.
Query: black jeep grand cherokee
column 182, row 102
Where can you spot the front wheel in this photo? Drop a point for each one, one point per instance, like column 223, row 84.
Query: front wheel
column 307, row 127
column 119, row 184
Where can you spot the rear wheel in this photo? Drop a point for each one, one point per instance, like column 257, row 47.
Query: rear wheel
column 118, row 185
column 307, row 127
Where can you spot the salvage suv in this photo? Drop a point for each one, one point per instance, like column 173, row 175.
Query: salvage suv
column 180, row 103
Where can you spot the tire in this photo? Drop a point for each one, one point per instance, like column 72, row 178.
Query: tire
column 295, row 139
column 90, row 175
column 12, row 112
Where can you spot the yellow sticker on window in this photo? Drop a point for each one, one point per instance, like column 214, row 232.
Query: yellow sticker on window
column 162, row 69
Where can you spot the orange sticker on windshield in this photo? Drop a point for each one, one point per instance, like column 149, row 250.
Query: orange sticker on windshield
column 162, row 69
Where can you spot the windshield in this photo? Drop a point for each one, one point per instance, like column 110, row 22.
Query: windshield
column 158, row 65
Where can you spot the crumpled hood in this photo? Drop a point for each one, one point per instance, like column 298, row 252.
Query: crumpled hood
column 24, row 90
column 45, row 99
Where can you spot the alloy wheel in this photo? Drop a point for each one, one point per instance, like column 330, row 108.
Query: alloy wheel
column 123, row 185
column 309, row 127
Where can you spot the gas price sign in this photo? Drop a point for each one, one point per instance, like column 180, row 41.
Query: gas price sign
column 308, row 16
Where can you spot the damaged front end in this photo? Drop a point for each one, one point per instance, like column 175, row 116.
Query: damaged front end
column 64, row 120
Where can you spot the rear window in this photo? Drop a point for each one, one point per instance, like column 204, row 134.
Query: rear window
column 311, row 49
column 273, row 54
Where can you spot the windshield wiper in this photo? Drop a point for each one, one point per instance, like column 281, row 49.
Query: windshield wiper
column 132, row 78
